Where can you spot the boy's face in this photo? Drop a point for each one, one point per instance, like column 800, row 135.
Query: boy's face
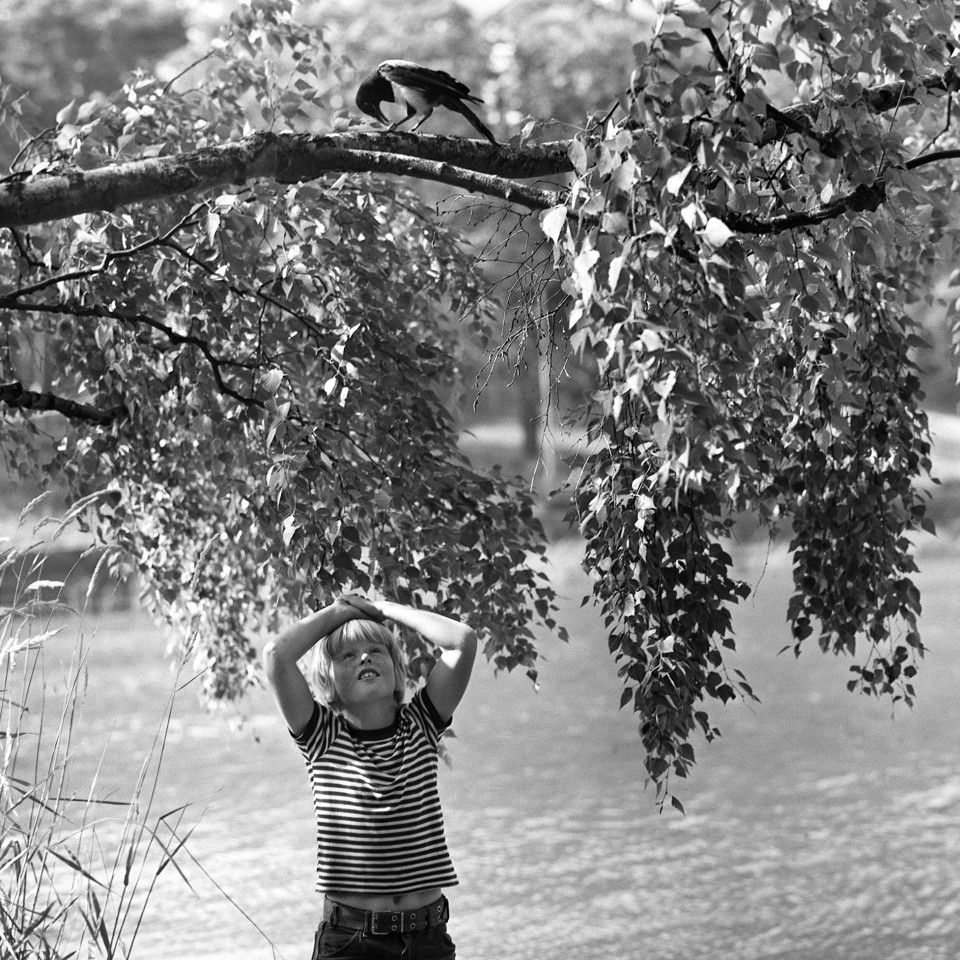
column 363, row 672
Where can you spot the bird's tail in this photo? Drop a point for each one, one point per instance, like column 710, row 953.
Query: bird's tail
column 475, row 121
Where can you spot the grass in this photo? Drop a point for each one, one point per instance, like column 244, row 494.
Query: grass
column 77, row 868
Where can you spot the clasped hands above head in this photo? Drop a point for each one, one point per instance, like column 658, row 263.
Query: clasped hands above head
column 367, row 607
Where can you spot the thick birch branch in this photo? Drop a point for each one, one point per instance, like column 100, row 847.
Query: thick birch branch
column 287, row 158
column 471, row 165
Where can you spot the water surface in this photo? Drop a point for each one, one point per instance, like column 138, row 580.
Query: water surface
column 822, row 825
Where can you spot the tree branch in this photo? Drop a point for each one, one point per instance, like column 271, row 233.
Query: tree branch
column 16, row 395
column 178, row 339
column 464, row 178
column 287, row 158
column 865, row 197
column 11, row 299
column 243, row 291
column 108, row 257
column 935, row 157
column 800, row 117
column 472, row 165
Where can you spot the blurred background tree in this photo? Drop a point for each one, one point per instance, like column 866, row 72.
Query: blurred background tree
column 58, row 50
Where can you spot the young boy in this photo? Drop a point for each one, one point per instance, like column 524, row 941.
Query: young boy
column 382, row 859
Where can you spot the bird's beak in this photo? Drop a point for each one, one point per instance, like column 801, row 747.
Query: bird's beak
column 371, row 93
column 372, row 109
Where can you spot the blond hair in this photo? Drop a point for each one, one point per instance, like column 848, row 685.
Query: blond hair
column 330, row 647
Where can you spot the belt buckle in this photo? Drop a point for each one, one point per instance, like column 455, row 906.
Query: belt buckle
column 383, row 923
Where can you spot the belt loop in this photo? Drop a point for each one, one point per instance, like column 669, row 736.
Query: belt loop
column 444, row 910
column 335, row 915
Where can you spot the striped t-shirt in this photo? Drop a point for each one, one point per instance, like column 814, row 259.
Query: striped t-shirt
column 379, row 823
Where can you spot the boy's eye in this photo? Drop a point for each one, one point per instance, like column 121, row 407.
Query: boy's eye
column 349, row 655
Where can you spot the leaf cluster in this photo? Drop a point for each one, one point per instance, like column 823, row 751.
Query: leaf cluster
column 741, row 271
column 270, row 369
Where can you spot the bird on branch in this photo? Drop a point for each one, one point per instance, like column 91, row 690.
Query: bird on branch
column 420, row 90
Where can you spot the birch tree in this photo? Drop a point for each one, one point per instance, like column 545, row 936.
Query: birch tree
column 253, row 309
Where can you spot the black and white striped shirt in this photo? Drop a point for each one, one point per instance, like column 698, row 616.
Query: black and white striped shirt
column 379, row 823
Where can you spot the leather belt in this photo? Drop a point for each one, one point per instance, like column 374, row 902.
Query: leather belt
column 382, row 923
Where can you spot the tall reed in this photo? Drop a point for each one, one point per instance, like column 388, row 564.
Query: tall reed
column 76, row 868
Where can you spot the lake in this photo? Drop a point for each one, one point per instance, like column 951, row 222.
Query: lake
column 823, row 825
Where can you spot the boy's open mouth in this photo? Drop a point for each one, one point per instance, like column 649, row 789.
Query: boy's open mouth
column 367, row 672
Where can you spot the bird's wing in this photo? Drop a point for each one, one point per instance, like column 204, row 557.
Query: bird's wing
column 406, row 73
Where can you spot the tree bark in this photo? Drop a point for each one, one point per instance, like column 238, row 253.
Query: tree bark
column 287, row 158
column 472, row 165
column 15, row 395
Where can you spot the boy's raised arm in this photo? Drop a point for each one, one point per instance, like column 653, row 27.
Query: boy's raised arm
column 280, row 656
column 450, row 675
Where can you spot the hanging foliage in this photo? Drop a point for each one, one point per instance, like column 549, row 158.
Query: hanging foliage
column 251, row 344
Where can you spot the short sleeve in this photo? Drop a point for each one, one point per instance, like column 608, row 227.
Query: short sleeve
column 425, row 715
column 321, row 729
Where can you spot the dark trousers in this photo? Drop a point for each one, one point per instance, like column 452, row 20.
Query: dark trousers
column 348, row 935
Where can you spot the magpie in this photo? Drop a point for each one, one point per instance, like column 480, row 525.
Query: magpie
column 420, row 90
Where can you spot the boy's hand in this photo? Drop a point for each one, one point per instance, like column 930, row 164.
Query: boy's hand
column 365, row 606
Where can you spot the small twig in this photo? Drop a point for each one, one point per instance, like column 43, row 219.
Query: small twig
column 22, row 248
column 240, row 290
column 186, row 70
column 215, row 362
column 29, row 146
column 719, row 54
column 108, row 257
column 934, row 157
column 946, row 125
column 605, row 119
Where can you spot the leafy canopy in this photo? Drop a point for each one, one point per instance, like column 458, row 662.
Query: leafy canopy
column 742, row 271
column 738, row 248
column 261, row 375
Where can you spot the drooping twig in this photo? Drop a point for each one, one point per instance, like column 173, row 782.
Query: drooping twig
column 215, row 362
column 9, row 296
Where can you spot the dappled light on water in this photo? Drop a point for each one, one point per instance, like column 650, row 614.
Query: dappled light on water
column 821, row 825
